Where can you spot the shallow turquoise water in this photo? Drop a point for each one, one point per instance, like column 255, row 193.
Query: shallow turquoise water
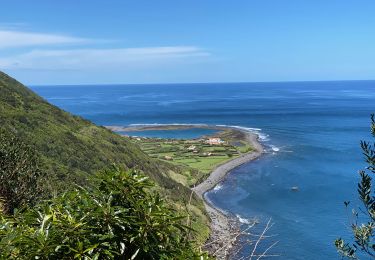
column 311, row 130
column 191, row 133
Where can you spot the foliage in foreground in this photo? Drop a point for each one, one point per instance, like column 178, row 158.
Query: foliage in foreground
column 19, row 174
column 363, row 232
column 118, row 219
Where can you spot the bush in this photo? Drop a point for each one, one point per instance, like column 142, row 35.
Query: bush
column 119, row 218
column 19, row 174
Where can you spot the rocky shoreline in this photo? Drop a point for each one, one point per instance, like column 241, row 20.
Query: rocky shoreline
column 224, row 228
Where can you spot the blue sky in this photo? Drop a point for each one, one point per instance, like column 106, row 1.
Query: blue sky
column 167, row 41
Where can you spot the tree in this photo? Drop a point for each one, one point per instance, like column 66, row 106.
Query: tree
column 363, row 232
column 19, row 173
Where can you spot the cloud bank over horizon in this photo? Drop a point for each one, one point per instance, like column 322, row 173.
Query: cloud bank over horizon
column 48, row 52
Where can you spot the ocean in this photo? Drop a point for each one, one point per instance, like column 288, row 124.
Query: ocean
column 311, row 131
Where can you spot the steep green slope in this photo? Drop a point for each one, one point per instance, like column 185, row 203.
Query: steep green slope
column 69, row 145
column 71, row 148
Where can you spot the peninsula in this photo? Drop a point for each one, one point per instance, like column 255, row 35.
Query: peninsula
column 210, row 158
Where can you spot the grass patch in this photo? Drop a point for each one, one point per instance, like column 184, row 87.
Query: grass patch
column 197, row 157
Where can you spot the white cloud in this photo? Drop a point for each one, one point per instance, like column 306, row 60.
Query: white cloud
column 14, row 39
column 23, row 50
column 101, row 58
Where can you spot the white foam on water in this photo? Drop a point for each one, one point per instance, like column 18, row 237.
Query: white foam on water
column 244, row 220
column 258, row 131
column 263, row 137
column 249, row 129
column 274, row 148
column 217, row 187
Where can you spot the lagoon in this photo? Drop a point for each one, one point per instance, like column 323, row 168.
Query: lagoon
column 191, row 133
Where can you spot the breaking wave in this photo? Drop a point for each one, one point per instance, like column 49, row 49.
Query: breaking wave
column 247, row 221
column 258, row 131
column 217, row 188
column 274, row 148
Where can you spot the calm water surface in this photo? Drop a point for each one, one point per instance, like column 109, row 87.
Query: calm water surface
column 191, row 133
column 311, row 129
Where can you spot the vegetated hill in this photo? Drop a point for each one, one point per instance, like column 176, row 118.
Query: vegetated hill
column 70, row 147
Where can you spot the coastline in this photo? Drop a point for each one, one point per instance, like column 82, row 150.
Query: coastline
column 223, row 226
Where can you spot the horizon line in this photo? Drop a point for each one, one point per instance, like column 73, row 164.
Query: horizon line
column 194, row 83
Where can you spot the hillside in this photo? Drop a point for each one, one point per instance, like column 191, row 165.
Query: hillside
column 69, row 145
column 71, row 148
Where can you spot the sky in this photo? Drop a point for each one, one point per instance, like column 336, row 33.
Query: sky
column 45, row 42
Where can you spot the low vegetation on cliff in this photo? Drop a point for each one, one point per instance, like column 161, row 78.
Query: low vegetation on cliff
column 48, row 158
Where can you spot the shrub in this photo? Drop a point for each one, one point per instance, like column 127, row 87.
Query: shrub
column 19, row 173
column 119, row 218
column 363, row 232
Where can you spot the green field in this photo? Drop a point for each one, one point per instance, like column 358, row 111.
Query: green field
column 197, row 156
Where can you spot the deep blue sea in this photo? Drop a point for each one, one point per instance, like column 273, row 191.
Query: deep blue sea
column 311, row 130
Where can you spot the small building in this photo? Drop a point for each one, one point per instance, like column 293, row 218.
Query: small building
column 214, row 141
column 168, row 158
column 191, row 148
